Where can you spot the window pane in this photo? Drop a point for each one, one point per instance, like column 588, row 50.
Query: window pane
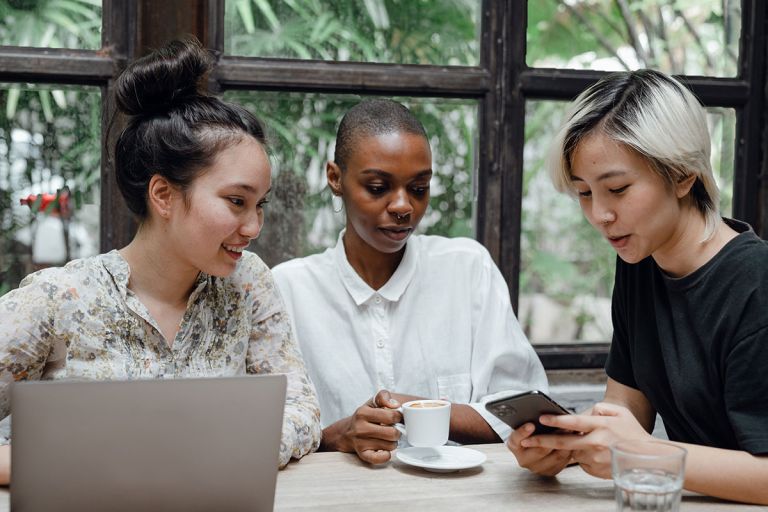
column 50, row 140
column 722, row 129
column 300, row 219
column 393, row 31
column 567, row 269
column 51, row 23
column 692, row 37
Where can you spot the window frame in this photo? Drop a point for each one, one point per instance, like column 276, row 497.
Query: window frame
column 501, row 84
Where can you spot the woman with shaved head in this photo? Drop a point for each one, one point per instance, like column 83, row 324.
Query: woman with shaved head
column 388, row 316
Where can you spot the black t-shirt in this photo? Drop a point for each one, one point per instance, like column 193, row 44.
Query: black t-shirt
column 697, row 347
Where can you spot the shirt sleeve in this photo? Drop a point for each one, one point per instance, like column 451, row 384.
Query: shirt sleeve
column 503, row 361
column 745, row 391
column 618, row 366
column 26, row 335
column 273, row 349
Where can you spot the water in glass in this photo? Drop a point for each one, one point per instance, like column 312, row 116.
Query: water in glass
column 642, row 489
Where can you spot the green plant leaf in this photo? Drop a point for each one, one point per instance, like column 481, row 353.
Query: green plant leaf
column 79, row 8
column 12, row 102
column 246, row 15
column 268, row 13
column 45, row 103
column 60, row 98
column 377, row 12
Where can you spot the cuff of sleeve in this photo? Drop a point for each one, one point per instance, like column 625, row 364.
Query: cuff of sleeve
column 5, row 430
column 502, row 429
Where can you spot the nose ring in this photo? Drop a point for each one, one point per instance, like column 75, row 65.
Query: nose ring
column 401, row 217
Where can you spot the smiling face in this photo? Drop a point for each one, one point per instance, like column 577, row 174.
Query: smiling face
column 634, row 208
column 385, row 188
column 223, row 210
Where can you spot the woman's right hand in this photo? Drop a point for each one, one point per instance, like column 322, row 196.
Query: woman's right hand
column 543, row 461
column 369, row 432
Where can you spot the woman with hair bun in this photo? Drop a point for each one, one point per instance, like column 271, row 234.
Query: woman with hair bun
column 183, row 299
column 690, row 337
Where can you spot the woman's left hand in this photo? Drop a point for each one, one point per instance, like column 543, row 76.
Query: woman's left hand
column 591, row 437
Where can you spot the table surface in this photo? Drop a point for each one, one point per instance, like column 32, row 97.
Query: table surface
column 339, row 482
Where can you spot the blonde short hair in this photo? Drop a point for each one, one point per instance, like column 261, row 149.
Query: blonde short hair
column 653, row 114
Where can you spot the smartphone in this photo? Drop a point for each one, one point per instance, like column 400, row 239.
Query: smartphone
column 526, row 407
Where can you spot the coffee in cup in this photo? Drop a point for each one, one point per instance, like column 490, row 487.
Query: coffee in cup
column 425, row 404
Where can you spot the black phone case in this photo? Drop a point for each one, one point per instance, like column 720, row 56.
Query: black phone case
column 517, row 410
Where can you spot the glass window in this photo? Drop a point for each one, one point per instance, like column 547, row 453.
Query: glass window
column 722, row 130
column 51, row 23
column 50, row 140
column 392, row 31
column 300, row 218
column 567, row 269
column 693, row 37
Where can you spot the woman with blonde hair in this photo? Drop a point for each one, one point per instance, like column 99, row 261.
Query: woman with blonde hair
column 689, row 305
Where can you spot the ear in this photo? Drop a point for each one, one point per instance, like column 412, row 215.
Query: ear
column 684, row 186
column 160, row 194
column 333, row 173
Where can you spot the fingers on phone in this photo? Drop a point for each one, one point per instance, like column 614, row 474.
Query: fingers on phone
column 521, row 432
column 527, row 430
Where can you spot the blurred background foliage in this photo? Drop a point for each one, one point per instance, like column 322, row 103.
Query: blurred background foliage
column 49, row 135
column 444, row 32
column 563, row 259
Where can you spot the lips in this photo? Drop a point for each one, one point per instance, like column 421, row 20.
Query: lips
column 234, row 251
column 618, row 242
column 396, row 233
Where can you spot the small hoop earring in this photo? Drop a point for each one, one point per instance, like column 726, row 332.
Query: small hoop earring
column 337, row 203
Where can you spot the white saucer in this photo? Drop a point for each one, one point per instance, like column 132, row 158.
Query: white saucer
column 441, row 459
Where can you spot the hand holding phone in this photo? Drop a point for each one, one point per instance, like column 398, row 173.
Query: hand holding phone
column 517, row 410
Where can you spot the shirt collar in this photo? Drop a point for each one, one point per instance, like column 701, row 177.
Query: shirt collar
column 120, row 271
column 118, row 268
column 392, row 290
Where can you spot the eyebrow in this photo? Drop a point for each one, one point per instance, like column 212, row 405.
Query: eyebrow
column 604, row 176
column 249, row 188
column 385, row 174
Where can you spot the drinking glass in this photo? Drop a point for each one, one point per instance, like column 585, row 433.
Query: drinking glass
column 647, row 475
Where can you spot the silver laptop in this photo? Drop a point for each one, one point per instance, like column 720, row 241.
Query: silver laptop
column 187, row 444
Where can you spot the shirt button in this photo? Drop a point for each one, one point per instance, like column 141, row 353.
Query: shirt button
column 378, row 300
column 380, row 343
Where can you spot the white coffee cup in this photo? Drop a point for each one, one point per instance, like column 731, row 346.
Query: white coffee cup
column 427, row 422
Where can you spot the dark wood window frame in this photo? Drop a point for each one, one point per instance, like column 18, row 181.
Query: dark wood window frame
column 501, row 85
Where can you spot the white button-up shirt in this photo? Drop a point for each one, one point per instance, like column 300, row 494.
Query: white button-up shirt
column 441, row 327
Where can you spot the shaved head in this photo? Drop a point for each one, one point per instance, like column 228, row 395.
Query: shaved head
column 371, row 118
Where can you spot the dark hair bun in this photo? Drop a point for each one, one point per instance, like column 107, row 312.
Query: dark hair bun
column 163, row 79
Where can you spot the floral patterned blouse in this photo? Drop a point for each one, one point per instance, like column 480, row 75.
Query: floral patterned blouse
column 81, row 321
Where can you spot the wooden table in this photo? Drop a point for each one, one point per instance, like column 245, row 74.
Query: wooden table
column 339, row 482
